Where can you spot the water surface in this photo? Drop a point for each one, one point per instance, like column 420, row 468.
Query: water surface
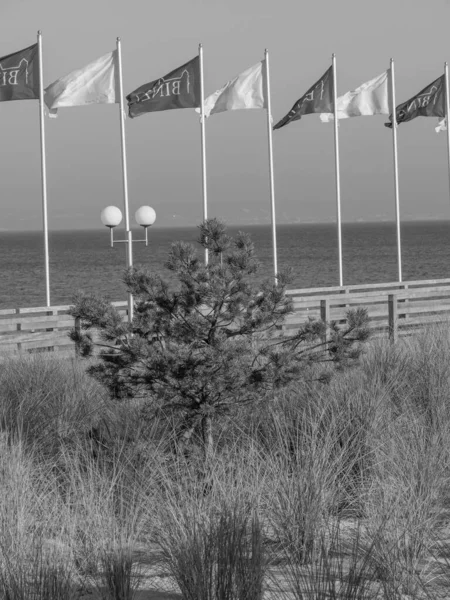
column 83, row 260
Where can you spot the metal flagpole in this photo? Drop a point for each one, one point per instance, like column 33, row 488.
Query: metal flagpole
column 129, row 244
column 397, row 202
column 447, row 113
column 271, row 179
column 43, row 171
column 203, row 141
column 338, row 176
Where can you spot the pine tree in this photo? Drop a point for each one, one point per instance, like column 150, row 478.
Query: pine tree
column 213, row 345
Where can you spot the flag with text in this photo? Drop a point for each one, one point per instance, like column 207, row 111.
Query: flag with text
column 370, row 98
column 19, row 75
column 96, row 83
column 178, row 89
column 318, row 99
column 430, row 102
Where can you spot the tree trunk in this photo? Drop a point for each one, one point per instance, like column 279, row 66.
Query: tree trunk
column 207, row 438
column 183, row 441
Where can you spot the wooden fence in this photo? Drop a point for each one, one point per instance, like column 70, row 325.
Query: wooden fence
column 394, row 309
column 40, row 329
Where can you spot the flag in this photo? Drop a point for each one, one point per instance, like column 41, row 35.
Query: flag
column 370, row 98
column 19, row 75
column 318, row 99
column 430, row 102
column 178, row 89
column 96, row 83
column 441, row 126
column 244, row 91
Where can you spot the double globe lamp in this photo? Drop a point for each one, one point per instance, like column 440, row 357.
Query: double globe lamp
column 111, row 217
column 145, row 216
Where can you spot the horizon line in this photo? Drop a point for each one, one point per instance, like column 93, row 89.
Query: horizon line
column 229, row 224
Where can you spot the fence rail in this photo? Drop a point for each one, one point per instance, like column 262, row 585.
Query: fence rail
column 394, row 309
column 39, row 329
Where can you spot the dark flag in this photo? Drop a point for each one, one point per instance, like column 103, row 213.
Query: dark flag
column 430, row 102
column 178, row 89
column 318, row 99
column 19, row 75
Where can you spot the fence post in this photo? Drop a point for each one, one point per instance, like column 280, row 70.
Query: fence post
column 78, row 330
column 393, row 320
column 325, row 316
column 18, row 328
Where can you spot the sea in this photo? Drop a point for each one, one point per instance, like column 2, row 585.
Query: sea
column 84, row 260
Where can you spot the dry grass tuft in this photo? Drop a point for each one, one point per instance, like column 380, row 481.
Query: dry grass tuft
column 334, row 491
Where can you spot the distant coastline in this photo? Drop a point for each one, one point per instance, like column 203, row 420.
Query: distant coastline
column 176, row 225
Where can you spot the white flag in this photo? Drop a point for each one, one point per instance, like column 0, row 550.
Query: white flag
column 441, row 126
column 244, row 91
column 370, row 98
column 96, row 83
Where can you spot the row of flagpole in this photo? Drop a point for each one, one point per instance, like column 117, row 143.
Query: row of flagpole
column 337, row 169
column 270, row 149
column 447, row 113
column 203, row 141
column 395, row 149
column 129, row 244
column 271, row 177
column 43, row 172
column 219, row 102
column 395, row 161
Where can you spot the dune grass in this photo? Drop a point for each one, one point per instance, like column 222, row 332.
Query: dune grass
column 330, row 491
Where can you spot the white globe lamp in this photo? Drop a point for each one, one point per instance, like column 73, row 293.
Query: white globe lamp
column 111, row 216
column 145, row 216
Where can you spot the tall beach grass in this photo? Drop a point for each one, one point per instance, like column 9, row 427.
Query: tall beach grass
column 336, row 490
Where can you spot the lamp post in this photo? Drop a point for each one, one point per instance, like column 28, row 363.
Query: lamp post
column 145, row 217
column 111, row 217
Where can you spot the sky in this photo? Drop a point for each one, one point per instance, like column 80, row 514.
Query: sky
column 164, row 161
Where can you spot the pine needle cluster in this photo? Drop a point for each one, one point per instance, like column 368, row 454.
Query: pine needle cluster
column 213, row 344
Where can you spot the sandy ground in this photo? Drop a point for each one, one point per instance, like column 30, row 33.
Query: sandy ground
column 154, row 582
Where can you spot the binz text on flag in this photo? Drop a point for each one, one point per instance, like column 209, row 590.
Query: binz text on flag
column 429, row 102
column 19, row 75
column 178, row 89
column 318, row 99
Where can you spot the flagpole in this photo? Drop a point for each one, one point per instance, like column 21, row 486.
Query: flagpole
column 338, row 177
column 271, row 178
column 129, row 245
column 43, row 171
column 394, row 141
column 203, row 141
column 447, row 113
